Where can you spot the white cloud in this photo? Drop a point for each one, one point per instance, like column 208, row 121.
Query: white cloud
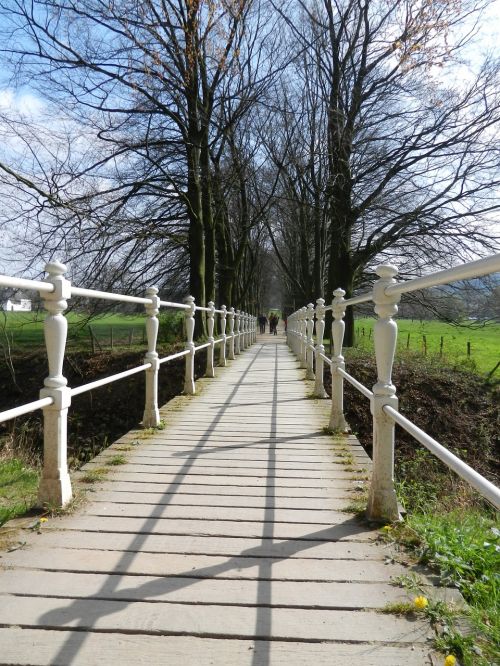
column 20, row 102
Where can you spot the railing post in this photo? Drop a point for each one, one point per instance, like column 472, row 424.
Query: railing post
column 189, row 386
column 55, row 484
column 382, row 501
column 337, row 418
column 302, row 330
column 243, row 330
column 231, row 334
column 237, row 340
column 292, row 327
column 319, row 388
column 151, row 417
column 210, row 372
column 222, row 359
column 309, row 341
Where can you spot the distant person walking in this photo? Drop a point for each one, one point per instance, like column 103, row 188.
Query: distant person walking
column 262, row 323
column 273, row 324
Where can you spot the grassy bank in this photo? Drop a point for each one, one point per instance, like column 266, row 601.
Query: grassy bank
column 442, row 341
column 462, row 546
column 24, row 330
column 18, row 488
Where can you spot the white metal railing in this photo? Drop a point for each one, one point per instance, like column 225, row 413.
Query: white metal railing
column 55, row 396
column 386, row 293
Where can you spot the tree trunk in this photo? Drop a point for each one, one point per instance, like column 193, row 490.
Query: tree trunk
column 196, row 236
column 208, row 222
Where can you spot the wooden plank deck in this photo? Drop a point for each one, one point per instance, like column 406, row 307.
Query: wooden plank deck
column 223, row 540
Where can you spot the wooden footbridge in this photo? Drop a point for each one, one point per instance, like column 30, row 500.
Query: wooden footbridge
column 224, row 539
column 228, row 536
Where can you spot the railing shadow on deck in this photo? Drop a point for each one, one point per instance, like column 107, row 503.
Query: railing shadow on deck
column 262, row 555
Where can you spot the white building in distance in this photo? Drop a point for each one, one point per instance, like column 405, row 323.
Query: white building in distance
column 18, row 303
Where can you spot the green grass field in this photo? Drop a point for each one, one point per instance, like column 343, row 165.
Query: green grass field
column 484, row 341
column 22, row 330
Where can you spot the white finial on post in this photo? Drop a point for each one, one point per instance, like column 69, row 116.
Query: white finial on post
column 222, row 359
column 231, row 334
column 55, row 484
column 210, row 372
column 319, row 388
column 382, row 501
column 309, row 341
column 337, row 418
column 189, row 386
column 151, row 417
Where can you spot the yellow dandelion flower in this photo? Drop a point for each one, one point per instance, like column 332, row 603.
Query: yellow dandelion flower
column 421, row 602
column 387, row 528
column 44, row 520
column 450, row 660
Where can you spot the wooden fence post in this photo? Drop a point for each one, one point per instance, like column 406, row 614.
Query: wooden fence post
column 151, row 417
column 382, row 502
column 55, row 484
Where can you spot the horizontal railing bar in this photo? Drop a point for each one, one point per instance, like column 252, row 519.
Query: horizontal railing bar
column 217, row 342
column 165, row 359
column 169, row 304
column 482, row 485
column 207, row 344
column 109, row 380
column 358, row 385
column 473, row 269
column 310, row 345
column 202, row 309
column 109, row 296
column 25, row 409
column 326, row 359
column 22, row 283
column 362, row 298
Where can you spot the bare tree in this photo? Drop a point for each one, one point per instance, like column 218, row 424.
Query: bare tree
column 411, row 157
column 150, row 83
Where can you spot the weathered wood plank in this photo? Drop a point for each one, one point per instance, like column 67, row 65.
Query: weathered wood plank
column 45, row 648
column 341, row 487
column 346, row 529
column 250, row 564
column 207, row 591
column 207, row 620
column 120, row 474
column 268, row 513
column 176, row 499
column 334, row 472
column 206, row 545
